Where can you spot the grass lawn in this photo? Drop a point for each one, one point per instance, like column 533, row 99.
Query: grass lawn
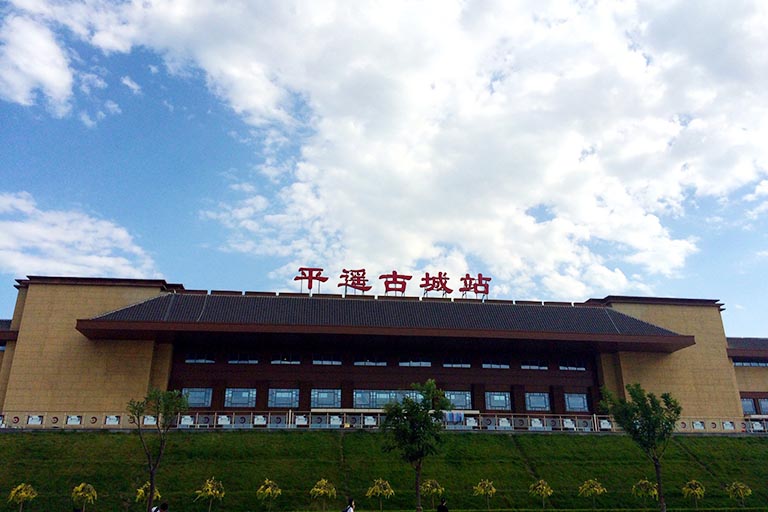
column 54, row 462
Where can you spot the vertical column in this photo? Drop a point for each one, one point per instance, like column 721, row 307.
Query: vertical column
column 518, row 399
column 305, row 392
column 347, row 392
column 557, row 395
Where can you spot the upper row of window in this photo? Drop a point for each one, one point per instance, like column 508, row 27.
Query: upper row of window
column 529, row 364
column 377, row 399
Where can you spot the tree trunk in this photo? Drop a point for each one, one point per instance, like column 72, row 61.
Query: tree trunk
column 151, row 497
column 657, row 467
column 417, row 467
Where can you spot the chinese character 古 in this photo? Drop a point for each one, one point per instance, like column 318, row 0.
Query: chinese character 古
column 395, row 282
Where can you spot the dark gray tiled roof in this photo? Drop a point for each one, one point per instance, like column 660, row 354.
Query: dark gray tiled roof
column 387, row 313
column 748, row 343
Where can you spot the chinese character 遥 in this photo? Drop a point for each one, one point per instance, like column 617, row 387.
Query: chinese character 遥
column 354, row 279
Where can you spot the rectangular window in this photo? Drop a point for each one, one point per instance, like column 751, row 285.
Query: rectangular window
column 198, row 397
column 495, row 365
column 240, row 397
column 573, row 365
column 763, row 403
column 378, row 398
column 2, row 346
column 460, row 400
column 243, row 358
column 286, row 398
column 537, row 401
column 199, row 358
column 576, row 402
column 748, row 406
column 370, row 362
column 750, row 362
column 417, row 363
column 456, row 363
column 326, row 361
column 498, row 401
column 326, row 398
column 534, row 364
column 285, row 359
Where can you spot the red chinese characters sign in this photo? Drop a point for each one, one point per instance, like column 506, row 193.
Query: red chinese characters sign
column 395, row 282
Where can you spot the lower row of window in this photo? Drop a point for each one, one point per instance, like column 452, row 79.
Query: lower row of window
column 288, row 398
column 753, row 405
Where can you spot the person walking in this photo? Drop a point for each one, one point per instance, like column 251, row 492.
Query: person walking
column 442, row 507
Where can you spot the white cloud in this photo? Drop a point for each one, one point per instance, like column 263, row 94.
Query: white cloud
column 54, row 242
column 129, row 83
column 549, row 143
column 90, row 81
column 31, row 60
column 112, row 107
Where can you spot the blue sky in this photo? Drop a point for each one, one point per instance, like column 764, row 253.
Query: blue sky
column 566, row 149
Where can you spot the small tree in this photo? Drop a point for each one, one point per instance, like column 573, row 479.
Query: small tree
column 432, row 488
column 542, row 490
column 142, row 493
column 693, row 489
column 380, row 489
column 323, row 490
column 268, row 492
column 485, row 488
column 211, row 490
column 21, row 494
column 738, row 491
column 84, row 494
column 649, row 421
column 592, row 488
column 645, row 489
column 413, row 427
column 164, row 407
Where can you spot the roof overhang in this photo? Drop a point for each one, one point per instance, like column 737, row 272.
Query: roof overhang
column 133, row 330
column 9, row 335
column 747, row 353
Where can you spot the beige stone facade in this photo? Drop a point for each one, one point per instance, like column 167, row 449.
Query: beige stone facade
column 51, row 367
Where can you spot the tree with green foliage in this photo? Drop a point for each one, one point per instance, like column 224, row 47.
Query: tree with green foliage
column 541, row 489
column 413, row 427
column 431, row 487
column 211, row 490
column 738, row 491
column 649, row 421
column 84, row 494
column 163, row 407
column 380, row 489
column 592, row 488
column 645, row 489
column 21, row 494
column 269, row 491
column 693, row 489
column 323, row 491
column 486, row 489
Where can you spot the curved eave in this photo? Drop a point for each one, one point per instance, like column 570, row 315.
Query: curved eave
column 9, row 335
column 122, row 330
column 748, row 353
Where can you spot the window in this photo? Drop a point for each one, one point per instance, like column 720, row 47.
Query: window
column 456, row 363
column 198, row 397
column 497, row 401
column 534, row 364
column 378, row 398
column 243, row 358
column 748, row 405
column 2, row 346
column 460, row 399
column 573, row 365
column 417, row 363
column 750, row 362
column 763, row 403
column 326, row 398
column 495, row 365
column 240, row 397
column 326, row 361
column 286, row 359
column 576, row 402
column 288, row 398
column 537, row 401
column 199, row 358
column 370, row 362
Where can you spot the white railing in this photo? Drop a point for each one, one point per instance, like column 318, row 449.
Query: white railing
column 367, row 419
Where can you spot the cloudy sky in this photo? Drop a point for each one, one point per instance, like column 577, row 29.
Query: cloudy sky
column 566, row 149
